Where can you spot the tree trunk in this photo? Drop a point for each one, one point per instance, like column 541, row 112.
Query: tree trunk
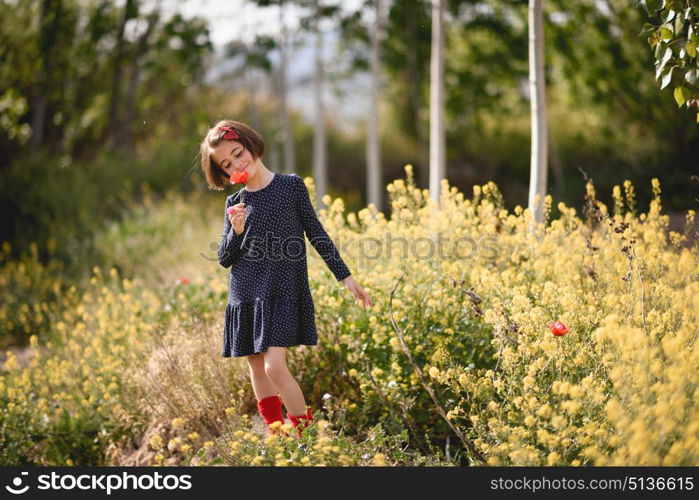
column 415, row 86
column 287, row 133
column 374, row 170
column 130, row 106
column 319, row 146
column 537, row 92
column 114, row 123
column 49, row 19
column 437, row 140
column 253, row 109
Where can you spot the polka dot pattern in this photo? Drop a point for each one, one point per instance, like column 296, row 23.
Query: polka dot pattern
column 269, row 297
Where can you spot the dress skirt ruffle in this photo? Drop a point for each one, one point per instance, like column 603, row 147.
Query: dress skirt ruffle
column 277, row 320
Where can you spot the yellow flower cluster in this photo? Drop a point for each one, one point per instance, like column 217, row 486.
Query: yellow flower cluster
column 625, row 289
column 71, row 380
column 463, row 284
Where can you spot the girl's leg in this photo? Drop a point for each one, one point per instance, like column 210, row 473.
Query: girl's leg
column 268, row 403
column 262, row 386
column 277, row 372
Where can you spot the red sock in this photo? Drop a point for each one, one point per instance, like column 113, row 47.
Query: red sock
column 270, row 409
column 301, row 421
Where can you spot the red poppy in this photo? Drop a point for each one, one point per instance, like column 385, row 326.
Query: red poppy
column 239, row 178
column 230, row 133
column 558, row 328
column 184, row 281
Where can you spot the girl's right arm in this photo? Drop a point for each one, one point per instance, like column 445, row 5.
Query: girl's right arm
column 229, row 250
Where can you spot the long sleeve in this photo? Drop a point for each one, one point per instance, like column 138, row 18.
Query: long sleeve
column 229, row 249
column 316, row 233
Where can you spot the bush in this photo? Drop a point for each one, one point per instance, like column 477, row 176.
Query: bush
column 478, row 328
column 456, row 363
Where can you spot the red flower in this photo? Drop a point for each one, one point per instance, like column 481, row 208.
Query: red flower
column 184, row 281
column 230, row 132
column 558, row 328
column 239, row 178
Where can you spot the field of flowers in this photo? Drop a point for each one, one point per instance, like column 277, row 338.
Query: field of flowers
column 456, row 363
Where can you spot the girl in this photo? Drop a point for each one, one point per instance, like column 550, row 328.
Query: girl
column 270, row 307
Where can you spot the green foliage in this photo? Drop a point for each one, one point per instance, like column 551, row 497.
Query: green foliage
column 60, row 204
column 59, row 59
column 673, row 34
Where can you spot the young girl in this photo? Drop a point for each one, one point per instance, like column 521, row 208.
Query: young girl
column 270, row 307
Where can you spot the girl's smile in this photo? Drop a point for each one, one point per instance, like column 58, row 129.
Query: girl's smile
column 232, row 157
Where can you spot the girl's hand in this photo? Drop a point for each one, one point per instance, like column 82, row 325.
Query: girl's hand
column 357, row 291
column 236, row 216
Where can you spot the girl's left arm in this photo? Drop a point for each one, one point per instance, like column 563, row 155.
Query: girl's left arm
column 316, row 232
column 324, row 246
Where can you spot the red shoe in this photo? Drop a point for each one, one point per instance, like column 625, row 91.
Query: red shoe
column 270, row 409
column 301, row 421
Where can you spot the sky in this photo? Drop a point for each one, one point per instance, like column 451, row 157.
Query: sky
column 243, row 20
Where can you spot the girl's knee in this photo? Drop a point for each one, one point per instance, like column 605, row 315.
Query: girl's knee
column 257, row 362
column 275, row 368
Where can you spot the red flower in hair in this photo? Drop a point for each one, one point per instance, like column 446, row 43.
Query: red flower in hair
column 230, row 132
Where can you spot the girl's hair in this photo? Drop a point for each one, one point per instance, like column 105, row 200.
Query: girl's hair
column 216, row 178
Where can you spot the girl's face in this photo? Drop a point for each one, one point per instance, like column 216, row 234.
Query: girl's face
column 232, row 156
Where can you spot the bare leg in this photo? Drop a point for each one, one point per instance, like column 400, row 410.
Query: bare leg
column 278, row 373
column 262, row 386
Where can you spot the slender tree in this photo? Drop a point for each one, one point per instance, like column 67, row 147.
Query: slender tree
column 130, row 11
column 320, row 173
column 287, row 133
column 374, row 170
column 437, row 139
column 135, row 67
column 50, row 13
column 537, row 92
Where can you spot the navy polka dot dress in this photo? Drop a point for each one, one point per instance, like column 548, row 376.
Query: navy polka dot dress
column 269, row 298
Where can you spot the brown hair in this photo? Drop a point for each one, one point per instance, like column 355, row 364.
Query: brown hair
column 216, row 178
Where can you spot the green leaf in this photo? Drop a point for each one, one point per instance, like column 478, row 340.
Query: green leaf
column 652, row 6
column 691, row 49
column 647, row 28
column 666, row 33
column 679, row 24
column 659, row 50
column 666, row 57
column 658, row 71
column 692, row 77
column 681, row 95
column 666, row 79
column 667, row 16
column 687, row 13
